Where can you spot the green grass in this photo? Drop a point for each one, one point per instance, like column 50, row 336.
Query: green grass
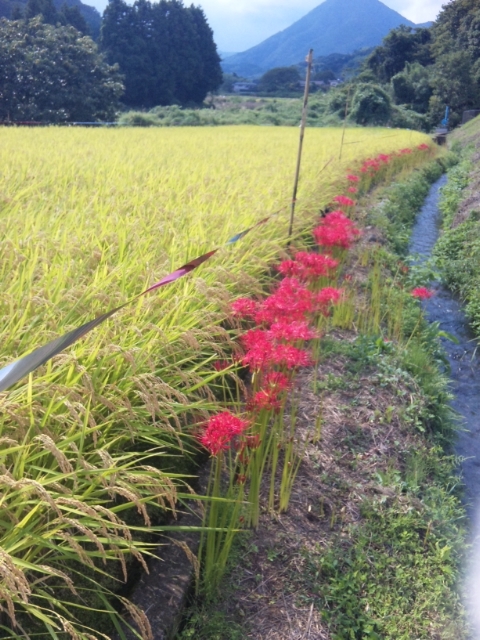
column 457, row 252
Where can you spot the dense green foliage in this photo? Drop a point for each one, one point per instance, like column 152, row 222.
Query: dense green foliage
column 428, row 69
column 46, row 9
column 413, row 550
column 165, row 51
column 54, row 75
column 236, row 110
column 400, row 46
column 458, row 250
column 280, row 79
column 370, row 105
column 81, row 16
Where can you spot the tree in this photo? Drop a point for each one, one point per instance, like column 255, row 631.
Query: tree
column 71, row 15
column 54, row 75
column 400, row 46
column 371, row 105
column 453, row 86
column 47, row 10
column 458, row 28
column 165, row 51
column 413, row 87
column 280, row 79
column 324, row 76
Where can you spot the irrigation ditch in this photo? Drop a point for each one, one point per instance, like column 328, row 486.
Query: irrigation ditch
column 373, row 543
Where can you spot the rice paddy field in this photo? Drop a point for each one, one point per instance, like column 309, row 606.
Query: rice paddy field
column 96, row 445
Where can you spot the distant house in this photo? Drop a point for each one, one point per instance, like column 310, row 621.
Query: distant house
column 244, row 87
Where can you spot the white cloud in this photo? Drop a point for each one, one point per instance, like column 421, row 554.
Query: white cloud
column 417, row 10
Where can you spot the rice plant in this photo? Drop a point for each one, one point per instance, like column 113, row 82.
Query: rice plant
column 97, row 444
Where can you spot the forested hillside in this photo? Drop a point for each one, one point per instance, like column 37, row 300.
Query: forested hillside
column 335, row 26
column 426, row 70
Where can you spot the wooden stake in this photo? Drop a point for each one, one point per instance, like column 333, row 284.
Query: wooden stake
column 344, row 123
column 302, row 135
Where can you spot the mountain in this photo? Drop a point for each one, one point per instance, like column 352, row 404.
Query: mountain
column 335, row 26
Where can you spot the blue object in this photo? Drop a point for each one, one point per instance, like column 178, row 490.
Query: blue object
column 445, row 120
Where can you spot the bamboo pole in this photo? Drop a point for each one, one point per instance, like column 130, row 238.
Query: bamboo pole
column 344, row 123
column 302, row 135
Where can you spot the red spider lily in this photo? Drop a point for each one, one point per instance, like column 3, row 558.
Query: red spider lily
column 316, row 264
column 308, row 266
column 221, row 365
column 259, row 348
column 290, row 268
column 423, row 147
column 344, row 201
column 353, row 178
column 244, row 307
column 352, row 190
column 404, row 152
column 265, row 399
column 422, row 293
column 336, row 230
column 276, row 380
column 290, row 357
column 370, row 165
column 383, row 157
column 263, row 352
column 291, row 331
column 275, row 383
column 328, row 297
column 290, row 300
column 221, row 429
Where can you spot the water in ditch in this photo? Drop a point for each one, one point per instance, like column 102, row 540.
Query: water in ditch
column 464, row 359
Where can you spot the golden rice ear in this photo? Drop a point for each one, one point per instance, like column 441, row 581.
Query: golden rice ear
column 139, row 619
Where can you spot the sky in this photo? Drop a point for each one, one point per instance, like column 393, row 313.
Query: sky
column 241, row 24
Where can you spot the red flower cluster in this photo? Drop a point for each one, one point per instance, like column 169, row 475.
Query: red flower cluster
column 328, row 297
column 344, row 201
column 372, row 165
column 352, row 189
column 422, row 293
column 292, row 331
column 221, row 430
column 353, row 178
column 336, row 230
column 263, row 351
column 290, row 300
column 423, row 147
column 275, row 383
column 404, row 152
column 244, row 307
column 308, row 266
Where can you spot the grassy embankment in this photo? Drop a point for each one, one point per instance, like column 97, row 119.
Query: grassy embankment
column 96, row 444
column 458, row 250
column 372, row 541
column 325, row 110
column 235, row 110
